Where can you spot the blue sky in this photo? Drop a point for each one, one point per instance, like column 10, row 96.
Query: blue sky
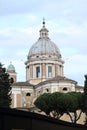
column 66, row 20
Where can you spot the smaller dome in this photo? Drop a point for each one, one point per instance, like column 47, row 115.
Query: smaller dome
column 11, row 68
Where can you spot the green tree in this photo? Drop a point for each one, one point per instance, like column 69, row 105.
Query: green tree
column 67, row 103
column 85, row 99
column 73, row 103
column 5, row 88
column 56, row 104
column 43, row 103
column 48, row 103
column 85, row 85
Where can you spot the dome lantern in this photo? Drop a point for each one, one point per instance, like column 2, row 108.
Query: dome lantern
column 44, row 31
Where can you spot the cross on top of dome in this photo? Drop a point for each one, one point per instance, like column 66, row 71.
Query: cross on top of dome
column 44, row 31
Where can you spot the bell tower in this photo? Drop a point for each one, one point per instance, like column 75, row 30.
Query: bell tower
column 12, row 73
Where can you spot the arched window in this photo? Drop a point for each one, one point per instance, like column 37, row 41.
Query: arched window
column 37, row 56
column 47, row 89
column 64, row 89
column 28, row 94
column 12, row 80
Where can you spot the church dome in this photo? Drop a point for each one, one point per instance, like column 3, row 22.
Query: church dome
column 44, row 46
column 11, row 68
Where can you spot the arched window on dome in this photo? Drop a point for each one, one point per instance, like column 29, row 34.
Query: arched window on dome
column 37, row 56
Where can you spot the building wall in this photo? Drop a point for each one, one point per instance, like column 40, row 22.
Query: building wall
column 12, row 119
column 55, row 86
column 20, row 97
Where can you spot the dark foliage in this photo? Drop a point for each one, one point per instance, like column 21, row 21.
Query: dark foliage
column 85, row 98
column 56, row 104
column 85, row 85
column 5, row 88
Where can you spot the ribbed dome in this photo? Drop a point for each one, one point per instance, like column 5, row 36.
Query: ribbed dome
column 11, row 68
column 44, row 46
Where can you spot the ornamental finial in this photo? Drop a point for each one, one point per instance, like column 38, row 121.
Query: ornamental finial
column 43, row 22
